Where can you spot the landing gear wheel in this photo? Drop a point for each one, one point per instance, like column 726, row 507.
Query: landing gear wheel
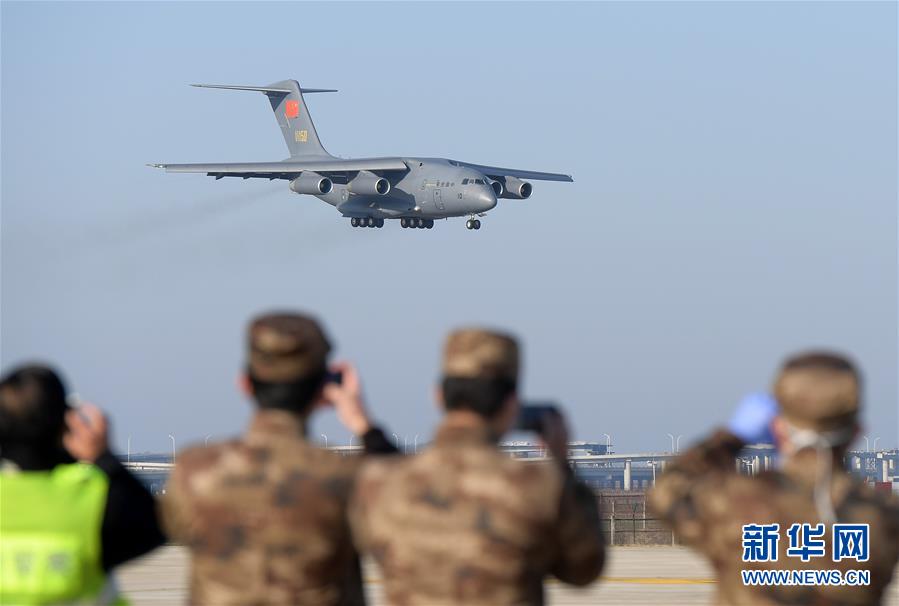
column 469, row 224
column 354, row 222
column 416, row 223
column 477, row 224
column 429, row 224
column 404, row 223
column 379, row 223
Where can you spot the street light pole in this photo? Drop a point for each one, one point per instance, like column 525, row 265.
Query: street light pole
column 173, row 448
column 206, row 441
column 326, row 439
column 608, row 442
column 129, row 449
column 875, row 444
column 677, row 443
column 866, row 444
column 415, row 444
column 672, row 442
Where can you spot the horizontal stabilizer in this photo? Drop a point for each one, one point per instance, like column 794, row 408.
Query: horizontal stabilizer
column 266, row 89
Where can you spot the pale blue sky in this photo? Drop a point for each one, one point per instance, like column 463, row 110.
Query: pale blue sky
column 734, row 200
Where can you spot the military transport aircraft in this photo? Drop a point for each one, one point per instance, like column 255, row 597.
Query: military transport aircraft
column 369, row 190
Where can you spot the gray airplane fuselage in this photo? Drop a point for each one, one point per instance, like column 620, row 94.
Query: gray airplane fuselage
column 432, row 188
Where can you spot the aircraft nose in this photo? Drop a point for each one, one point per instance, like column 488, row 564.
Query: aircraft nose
column 486, row 199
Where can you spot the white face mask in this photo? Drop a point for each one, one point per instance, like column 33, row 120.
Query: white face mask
column 823, row 442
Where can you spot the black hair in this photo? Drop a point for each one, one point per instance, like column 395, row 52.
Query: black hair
column 32, row 407
column 481, row 395
column 295, row 396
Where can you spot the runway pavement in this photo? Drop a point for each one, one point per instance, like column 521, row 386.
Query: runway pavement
column 634, row 575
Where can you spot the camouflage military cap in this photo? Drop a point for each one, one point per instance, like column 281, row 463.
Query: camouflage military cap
column 472, row 353
column 286, row 347
column 819, row 390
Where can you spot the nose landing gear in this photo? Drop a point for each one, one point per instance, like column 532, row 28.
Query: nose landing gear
column 473, row 224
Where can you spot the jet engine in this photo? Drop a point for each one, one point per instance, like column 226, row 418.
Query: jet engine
column 369, row 184
column 498, row 188
column 516, row 189
column 311, row 183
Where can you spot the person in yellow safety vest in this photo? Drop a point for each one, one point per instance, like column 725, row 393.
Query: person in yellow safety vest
column 69, row 510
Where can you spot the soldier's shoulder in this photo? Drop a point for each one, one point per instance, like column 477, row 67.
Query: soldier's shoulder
column 867, row 497
column 542, row 471
column 748, row 492
column 379, row 468
column 200, row 456
column 193, row 468
column 375, row 474
column 331, row 463
column 534, row 482
column 771, row 479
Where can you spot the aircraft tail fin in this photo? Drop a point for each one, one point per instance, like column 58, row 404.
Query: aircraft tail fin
column 286, row 98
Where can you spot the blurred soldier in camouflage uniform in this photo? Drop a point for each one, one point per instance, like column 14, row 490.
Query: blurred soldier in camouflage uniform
column 463, row 523
column 264, row 515
column 707, row 502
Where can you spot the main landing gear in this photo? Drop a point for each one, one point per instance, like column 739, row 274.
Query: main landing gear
column 473, row 224
column 366, row 222
column 415, row 222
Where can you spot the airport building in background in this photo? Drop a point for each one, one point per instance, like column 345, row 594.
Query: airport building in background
column 596, row 464
column 620, row 481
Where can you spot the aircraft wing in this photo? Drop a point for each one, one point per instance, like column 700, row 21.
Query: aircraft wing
column 288, row 169
column 496, row 171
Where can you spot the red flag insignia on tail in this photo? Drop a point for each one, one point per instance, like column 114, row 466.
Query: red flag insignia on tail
column 292, row 109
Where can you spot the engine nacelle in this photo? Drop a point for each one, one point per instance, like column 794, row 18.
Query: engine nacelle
column 498, row 188
column 369, row 184
column 516, row 189
column 311, row 183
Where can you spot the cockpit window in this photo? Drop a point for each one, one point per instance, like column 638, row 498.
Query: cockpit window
column 464, row 181
column 479, row 181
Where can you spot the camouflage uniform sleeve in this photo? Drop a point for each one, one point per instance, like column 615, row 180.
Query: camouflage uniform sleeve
column 366, row 488
column 173, row 510
column 580, row 551
column 676, row 496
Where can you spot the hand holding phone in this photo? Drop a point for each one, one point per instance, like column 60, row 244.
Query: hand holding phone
column 546, row 419
column 532, row 416
column 87, row 433
column 343, row 390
